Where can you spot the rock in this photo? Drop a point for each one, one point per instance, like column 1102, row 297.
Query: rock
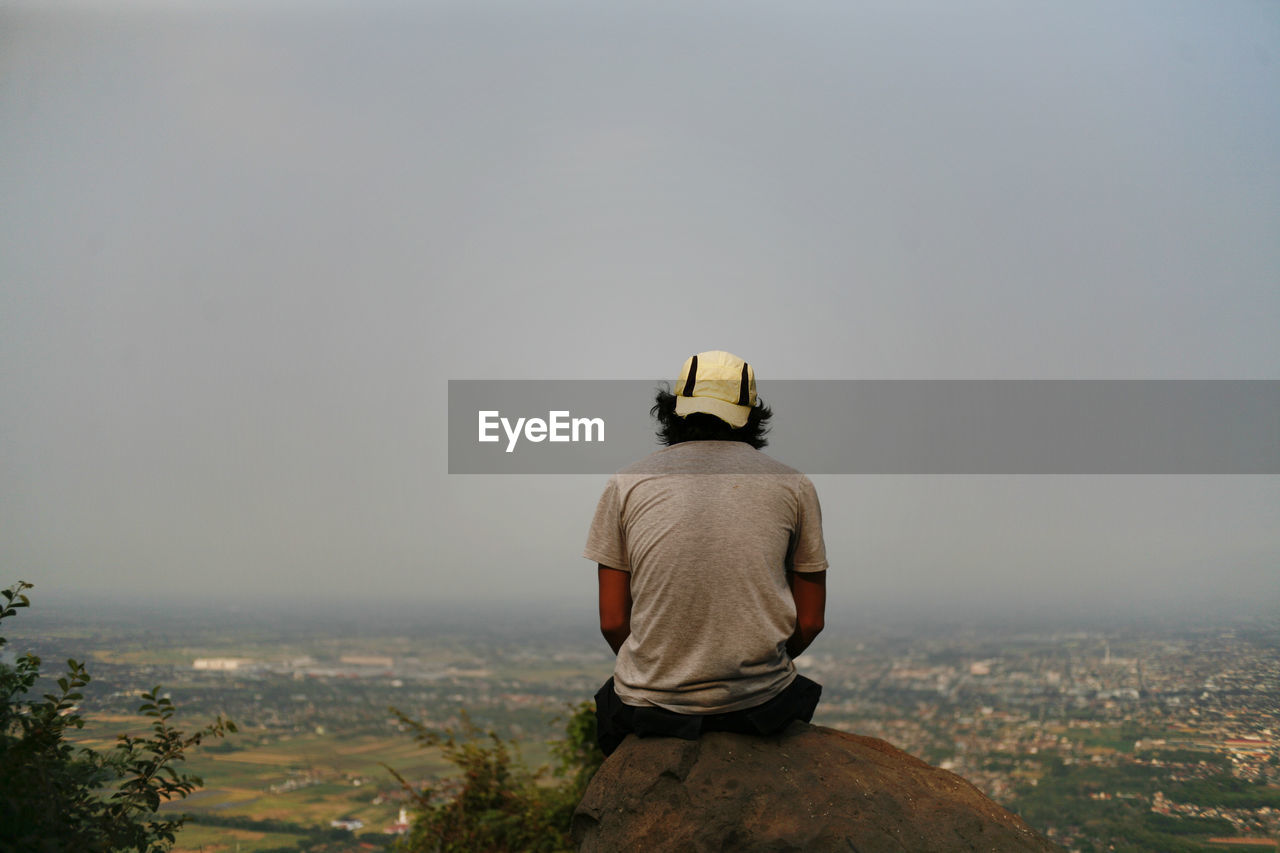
column 810, row 789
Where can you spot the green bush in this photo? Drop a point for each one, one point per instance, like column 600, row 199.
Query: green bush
column 499, row 804
column 58, row 797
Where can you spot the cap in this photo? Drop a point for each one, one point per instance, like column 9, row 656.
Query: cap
column 717, row 383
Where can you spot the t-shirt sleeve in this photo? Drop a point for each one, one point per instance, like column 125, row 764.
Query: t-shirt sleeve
column 809, row 552
column 606, row 544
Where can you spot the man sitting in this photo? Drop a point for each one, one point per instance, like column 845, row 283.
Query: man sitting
column 712, row 570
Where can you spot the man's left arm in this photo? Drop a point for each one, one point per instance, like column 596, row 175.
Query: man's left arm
column 615, row 605
column 607, row 547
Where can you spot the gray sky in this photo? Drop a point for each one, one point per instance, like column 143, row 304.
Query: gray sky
column 243, row 246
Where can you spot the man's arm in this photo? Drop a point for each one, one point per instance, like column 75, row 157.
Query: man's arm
column 615, row 605
column 809, row 589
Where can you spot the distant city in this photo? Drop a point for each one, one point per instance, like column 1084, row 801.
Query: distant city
column 1127, row 738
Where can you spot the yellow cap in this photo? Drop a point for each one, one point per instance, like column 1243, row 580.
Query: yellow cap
column 717, row 383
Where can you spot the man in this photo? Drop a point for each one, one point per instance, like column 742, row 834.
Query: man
column 712, row 569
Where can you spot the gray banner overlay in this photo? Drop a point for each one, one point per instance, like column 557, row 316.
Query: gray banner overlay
column 891, row 426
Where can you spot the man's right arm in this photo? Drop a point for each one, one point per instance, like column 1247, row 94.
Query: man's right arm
column 809, row 590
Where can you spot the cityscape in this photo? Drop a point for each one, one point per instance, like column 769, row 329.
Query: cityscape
column 1121, row 738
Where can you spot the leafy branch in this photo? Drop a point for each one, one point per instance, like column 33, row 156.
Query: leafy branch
column 55, row 796
column 498, row 804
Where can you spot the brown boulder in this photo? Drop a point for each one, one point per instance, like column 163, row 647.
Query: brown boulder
column 810, row 789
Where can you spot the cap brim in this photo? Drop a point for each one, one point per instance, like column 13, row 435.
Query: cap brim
column 734, row 415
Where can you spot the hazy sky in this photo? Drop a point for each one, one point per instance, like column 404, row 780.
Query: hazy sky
column 243, row 246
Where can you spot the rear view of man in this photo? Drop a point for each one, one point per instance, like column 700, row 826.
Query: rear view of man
column 712, row 570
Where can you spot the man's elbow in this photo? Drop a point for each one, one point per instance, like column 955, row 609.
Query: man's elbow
column 615, row 628
column 810, row 626
column 615, row 634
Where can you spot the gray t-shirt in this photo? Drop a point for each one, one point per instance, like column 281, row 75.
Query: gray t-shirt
column 708, row 531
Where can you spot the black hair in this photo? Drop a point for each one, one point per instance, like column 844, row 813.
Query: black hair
column 699, row 426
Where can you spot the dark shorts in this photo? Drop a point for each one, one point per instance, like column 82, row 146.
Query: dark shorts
column 615, row 719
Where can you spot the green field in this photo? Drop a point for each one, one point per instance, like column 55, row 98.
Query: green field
column 217, row 839
column 304, row 780
column 335, row 777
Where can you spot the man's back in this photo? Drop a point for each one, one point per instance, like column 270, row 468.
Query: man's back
column 708, row 531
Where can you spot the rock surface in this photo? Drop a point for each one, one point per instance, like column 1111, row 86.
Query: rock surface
column 810, row 789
